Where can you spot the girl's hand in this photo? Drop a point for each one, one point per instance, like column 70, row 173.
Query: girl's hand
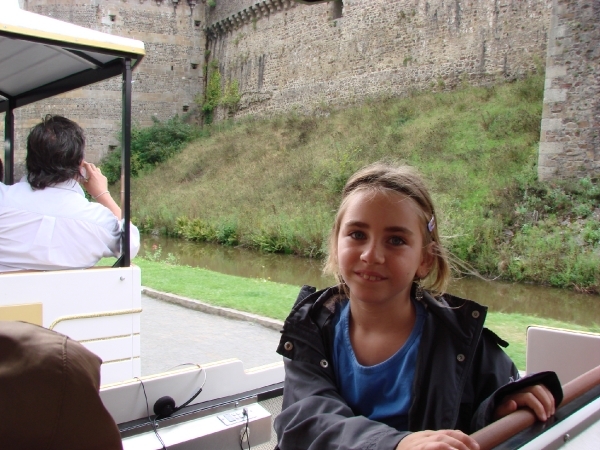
column 537, row 397
column 438, row 440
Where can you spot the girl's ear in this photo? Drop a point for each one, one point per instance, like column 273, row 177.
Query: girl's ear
column 427, row 260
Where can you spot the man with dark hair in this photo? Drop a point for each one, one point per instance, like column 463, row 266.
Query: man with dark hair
column 55, row 150
column 46, row 223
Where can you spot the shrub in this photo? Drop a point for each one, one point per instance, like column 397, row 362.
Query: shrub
column 231, row 96
column 227, row 234
column 150, row 146
column 195, row 230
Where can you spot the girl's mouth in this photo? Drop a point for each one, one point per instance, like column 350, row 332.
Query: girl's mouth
column 369, row 276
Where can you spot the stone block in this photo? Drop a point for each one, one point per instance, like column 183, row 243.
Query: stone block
column 555, row 95
column 561, row 31
column 550, row 148
column 546, row 173
column 552, row 124
column 555, row 71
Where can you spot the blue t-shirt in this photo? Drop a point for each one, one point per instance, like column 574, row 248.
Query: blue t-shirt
column 381, row 392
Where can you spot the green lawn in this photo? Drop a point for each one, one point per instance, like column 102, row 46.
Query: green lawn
column 253, row 295
column 275, row 300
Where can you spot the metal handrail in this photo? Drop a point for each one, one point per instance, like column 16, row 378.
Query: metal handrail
column 503, row 429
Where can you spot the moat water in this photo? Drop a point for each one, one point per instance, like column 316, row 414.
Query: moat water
column 541, row 301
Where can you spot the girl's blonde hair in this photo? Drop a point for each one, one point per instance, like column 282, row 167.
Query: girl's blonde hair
column 405, row 180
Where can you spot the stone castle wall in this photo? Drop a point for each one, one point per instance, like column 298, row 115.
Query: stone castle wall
column 292, row 56
column 288, row 56
column 570, row 138
column 163, row 83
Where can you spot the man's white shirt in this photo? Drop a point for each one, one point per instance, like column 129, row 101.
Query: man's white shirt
column 56, row 228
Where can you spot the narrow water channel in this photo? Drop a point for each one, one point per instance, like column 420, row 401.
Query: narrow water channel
column 529, row 299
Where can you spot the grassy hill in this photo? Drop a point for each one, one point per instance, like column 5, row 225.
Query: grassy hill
column 273, row 184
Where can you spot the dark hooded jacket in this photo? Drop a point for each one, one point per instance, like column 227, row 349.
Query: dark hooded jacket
column 461, row 375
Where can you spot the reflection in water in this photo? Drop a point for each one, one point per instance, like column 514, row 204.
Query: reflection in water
column 499, row 296
column 531, row 299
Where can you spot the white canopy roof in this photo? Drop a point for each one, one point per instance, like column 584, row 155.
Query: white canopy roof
column 41, row 56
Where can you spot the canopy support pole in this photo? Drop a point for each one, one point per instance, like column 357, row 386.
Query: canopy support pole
column 126, row 162
column 9, row 143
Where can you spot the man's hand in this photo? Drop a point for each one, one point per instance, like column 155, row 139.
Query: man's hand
column 97, row 186
column 537, row 397
column 94, row 182
column 438, row 440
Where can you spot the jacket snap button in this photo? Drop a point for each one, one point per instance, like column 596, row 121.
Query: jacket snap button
column 288, row 346
column 475, row 314
column 460, row 357
column 324, row 364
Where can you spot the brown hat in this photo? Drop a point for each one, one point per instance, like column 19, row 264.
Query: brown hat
column 49, row 393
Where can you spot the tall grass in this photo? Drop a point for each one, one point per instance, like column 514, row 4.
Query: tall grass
column 273, row 184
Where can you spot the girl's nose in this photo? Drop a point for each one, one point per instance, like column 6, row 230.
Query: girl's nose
column 372, row 253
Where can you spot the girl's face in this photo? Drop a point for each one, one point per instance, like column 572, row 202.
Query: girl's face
column 380, row 247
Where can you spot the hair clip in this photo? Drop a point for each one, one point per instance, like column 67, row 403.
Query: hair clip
column 431, row 224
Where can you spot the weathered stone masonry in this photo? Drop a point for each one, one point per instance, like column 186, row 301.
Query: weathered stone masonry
column 301, row 58
column 570, row 141
column 288, row 56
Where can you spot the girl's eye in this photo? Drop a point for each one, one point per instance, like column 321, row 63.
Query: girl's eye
column 357, row 235
column 395, row 240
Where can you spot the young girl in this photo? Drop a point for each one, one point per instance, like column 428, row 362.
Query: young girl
column 384, row 353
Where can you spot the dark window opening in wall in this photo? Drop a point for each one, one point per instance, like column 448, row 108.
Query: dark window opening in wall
column 261, row 71
column 336, row 9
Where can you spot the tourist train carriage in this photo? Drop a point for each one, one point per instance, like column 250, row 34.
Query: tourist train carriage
column 41, row 57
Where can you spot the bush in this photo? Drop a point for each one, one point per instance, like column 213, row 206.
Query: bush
column 231, row 96
column 151, row 146
column 195, row 230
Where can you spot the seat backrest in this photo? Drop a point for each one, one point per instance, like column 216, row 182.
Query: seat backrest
column 100, row 308
column 566, row 352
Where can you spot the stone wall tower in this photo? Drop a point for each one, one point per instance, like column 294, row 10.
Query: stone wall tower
column 291, row 56
column 570, row 137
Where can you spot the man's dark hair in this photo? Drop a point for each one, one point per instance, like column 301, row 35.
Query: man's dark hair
column 55, row 150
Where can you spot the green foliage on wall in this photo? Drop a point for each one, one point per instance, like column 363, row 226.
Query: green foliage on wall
column 229, row 97
column 212, row 96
